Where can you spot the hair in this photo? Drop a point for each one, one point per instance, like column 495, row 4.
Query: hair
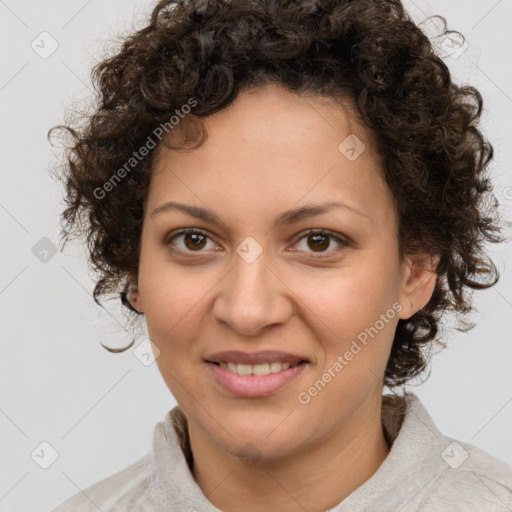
column 368, row 51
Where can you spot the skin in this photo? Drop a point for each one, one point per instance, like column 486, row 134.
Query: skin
column 270, row 151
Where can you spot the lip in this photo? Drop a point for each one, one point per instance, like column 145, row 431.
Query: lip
column 254, row 385
column 264, row 356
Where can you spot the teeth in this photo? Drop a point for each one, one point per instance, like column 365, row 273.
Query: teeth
column 255, row 369
column 244, row 369
column 261, row 369
column 275, row 367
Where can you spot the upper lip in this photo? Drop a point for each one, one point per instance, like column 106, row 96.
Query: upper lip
column 264, row 356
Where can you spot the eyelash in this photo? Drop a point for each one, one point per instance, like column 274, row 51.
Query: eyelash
column 343, row 242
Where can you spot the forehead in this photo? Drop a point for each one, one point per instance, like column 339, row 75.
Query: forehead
column 271, row 145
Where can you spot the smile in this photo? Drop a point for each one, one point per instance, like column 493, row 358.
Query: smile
column 256, row 369
column 253, row 385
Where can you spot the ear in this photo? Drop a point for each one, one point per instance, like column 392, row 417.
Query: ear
column 134, row 297
column 418, row 283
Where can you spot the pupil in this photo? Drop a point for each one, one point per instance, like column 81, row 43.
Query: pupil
column 320, row 245
column 194, row 237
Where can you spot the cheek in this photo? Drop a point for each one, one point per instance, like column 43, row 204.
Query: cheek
column 349, row 306
column 172, row 295
column 175, row 302
column 349, row 299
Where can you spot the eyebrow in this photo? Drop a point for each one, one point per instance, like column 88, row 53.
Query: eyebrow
column 286, row 218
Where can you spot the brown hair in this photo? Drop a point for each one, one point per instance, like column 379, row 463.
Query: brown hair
column 367, row 50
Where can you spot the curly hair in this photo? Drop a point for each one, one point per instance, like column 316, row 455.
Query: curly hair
column 369, row 51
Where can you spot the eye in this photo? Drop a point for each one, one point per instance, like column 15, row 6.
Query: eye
column 194, row 240
column 319, row 240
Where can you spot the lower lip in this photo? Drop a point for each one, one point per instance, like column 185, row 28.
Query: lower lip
column 254, row 385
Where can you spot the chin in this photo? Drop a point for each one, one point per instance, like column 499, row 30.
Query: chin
column 271, row 439
column 258, row 450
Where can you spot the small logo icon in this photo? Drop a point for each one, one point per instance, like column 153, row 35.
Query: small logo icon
column 249, row 454
column 454, row 455
column 146, row 352
column 44, row 250
column 44, row 455
column 351, row 147
column 44, row 45
column 249, row 250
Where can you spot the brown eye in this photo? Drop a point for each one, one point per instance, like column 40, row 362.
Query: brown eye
column 193, row 240
column 320, row 241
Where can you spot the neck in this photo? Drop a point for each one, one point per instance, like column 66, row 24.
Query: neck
column 318, row 478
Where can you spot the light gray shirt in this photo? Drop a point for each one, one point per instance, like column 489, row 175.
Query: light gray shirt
column 424, row 472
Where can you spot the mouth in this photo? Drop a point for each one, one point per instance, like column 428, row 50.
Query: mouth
column 255, row 369
column 254, row 374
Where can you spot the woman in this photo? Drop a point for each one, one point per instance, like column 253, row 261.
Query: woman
column 291, row 193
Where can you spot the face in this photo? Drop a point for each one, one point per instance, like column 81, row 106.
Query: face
column 242, row 281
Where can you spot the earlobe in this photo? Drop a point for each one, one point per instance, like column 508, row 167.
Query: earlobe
column 134, row 298
column 420, row 282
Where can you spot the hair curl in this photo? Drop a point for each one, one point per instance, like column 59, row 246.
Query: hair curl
column 367, row 50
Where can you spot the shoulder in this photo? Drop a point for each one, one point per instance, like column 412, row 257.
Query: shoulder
column 471, row 480
column 160, row 480
column 427, row 471
column 114, row 492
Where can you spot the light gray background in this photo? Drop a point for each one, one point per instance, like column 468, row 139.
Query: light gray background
column 98, row 409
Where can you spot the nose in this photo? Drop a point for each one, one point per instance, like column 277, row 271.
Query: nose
column 253, row 297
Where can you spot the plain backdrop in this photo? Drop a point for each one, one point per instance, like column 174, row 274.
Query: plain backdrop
column 97, row 410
